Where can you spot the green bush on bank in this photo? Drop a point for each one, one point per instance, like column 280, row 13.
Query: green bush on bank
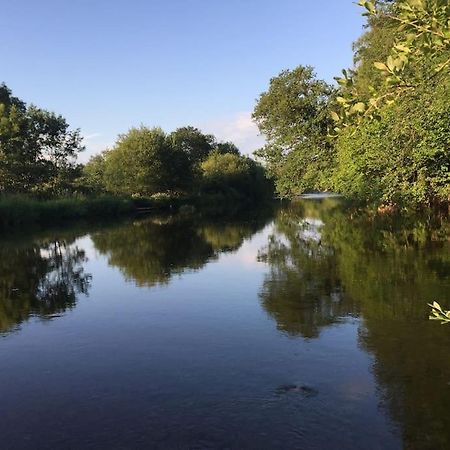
column 403, row 158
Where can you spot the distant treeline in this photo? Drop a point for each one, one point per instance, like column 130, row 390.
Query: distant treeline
column 382, row 135
column 147, row 161
column 41, row 180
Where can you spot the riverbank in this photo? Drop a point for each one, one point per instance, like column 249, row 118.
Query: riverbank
column 24, row 212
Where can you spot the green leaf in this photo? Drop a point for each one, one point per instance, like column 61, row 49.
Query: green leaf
column 381, row 66
column 370, row 7
column 359, row 107
column 402, row 48
column 335, row 116
column 419, row 4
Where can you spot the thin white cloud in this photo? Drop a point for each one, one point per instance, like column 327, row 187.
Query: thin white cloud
column 91, row 136
column 239, row 129
column 95, row 143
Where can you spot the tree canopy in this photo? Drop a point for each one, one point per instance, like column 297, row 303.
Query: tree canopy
column 294, row 117
column 388, row 142
column 146, row 161
column 143, row 162
column 37, row 148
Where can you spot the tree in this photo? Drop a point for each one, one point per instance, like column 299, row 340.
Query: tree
column 374, row 45
column 294, row 117
column 193, row 143
column 94, row 172
column 393, row 124
column 402, row 158
column 143, row 162
column 389, row 139
column 37, row 149
column 226, row 147
column 417, row 52
column 234, row 175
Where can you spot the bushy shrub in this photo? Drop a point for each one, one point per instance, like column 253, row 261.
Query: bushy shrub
column 234, row 175
column 402, row 158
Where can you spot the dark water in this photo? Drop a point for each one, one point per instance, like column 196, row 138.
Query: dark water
column 302, row 329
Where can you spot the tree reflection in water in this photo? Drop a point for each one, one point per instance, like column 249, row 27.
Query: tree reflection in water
column 44, row 277
column 152, row 251
column 41, row 279
column 327, row 263
column 303, row 291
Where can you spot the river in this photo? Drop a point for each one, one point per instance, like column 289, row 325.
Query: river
column 303, row 327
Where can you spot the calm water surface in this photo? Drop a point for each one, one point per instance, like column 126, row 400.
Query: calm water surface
column 302, row 328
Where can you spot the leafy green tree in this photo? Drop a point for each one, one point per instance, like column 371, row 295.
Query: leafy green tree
column 146, row 161
column 374, row 45
column 193, row 143
column 226, row 147
column 93, row 176
column 403, row 157
column 143, row 162
column 402, row 80
column 37, row 149
column 294, row 117
column 390, row 114
column 224, row 168
column 234, row 175
column 417, row 38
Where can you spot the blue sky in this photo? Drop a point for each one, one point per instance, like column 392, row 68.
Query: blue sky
column 109, row 65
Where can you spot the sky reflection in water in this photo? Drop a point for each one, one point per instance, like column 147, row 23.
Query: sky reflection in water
column 303, row 328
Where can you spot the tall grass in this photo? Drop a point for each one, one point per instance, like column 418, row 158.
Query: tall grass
column 17, row 211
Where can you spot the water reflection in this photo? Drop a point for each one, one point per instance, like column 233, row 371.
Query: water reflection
column 350, row 291
column 303, row 290
column 327, row 263
column 152, row 251
column 41, row 278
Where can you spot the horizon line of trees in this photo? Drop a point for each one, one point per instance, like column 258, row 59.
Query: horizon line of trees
column 147, row 161
column 381, row 135
column 38, row 157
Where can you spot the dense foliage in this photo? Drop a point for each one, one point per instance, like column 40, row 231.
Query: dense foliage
column 390, row 140
column 147, row 161
column 403, row 157
column 143, row 163
column 38, row 161
column 37, row 149
column 293, row 115
column 235, row 175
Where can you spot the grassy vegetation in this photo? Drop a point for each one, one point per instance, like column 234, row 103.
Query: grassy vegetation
column 18, row 211
column 22, row 211
column 41, row 182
